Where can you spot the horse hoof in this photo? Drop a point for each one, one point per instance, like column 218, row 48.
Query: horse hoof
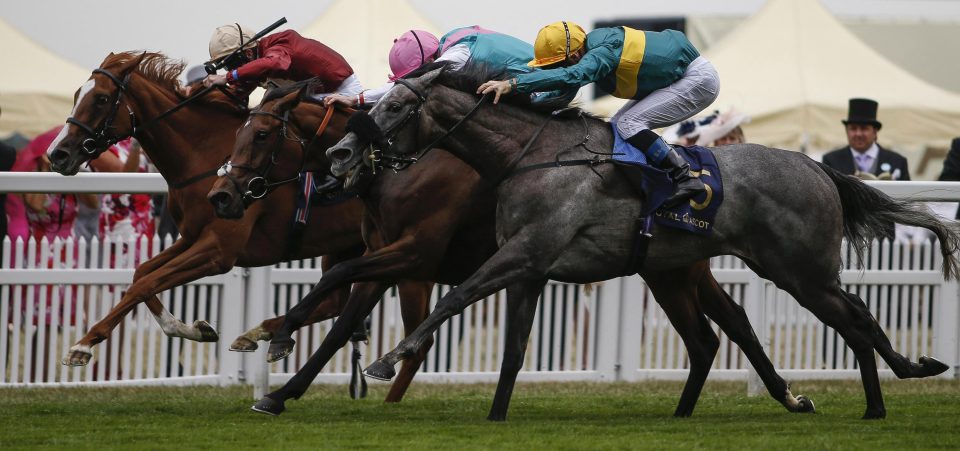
column 279, row 350
column 805, row 405
column 268, row 406
column 207, row 333
column 380, row 370
column 77, row 358
column 875, row 414
column 932, row 366
column 243, row 344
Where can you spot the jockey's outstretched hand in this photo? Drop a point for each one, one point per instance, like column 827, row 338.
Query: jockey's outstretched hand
column 217, row 79
column 341, row 99
column 498, row 87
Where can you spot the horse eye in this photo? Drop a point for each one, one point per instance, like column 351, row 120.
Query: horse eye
column 261, row 135
column 395, row 107
column 101, row 99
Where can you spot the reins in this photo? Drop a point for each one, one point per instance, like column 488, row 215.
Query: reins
column 99, row 140
column 400, row 163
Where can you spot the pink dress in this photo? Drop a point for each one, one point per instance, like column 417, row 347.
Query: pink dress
column 126, row 215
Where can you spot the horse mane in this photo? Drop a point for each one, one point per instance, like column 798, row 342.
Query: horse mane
column 472, row 75
column 154, row 66
column 165, row 71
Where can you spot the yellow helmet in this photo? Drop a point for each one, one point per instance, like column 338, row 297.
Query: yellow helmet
column 555, row 42
column 227, row 38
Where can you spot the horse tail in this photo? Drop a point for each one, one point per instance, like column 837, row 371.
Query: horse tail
column 870, row 214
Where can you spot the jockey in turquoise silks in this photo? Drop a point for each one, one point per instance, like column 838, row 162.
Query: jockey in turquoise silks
column 661, row 73
column 474, row 44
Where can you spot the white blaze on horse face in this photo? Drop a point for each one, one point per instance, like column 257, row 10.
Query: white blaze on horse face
column 84, row 90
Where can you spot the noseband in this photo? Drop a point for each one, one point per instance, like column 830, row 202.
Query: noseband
column 103, row 137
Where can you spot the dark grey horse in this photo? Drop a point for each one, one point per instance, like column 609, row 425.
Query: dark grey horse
column 784, row 214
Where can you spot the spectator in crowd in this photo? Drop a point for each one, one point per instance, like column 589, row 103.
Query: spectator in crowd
column 49, row 215
column 8, row 155
column 125, row 215
column 863, row 157
column 724, row 130
column 951, row 166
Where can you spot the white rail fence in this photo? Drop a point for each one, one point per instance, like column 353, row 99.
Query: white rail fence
column 604, row 332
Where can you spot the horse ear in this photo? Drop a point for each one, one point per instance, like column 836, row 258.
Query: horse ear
column 134, row 63
column 428, row 78
column 290, row 101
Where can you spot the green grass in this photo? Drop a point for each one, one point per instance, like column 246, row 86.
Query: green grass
column 920, row 415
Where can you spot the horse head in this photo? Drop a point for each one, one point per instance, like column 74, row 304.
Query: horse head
column 101, row 115
column 388, row 131
column 271, row 149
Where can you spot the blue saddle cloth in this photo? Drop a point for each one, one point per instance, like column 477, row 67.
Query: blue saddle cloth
column 695, row 216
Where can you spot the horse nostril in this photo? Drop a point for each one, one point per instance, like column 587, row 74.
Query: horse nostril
column 59, row 156
column 220, row 199
column 340, row 154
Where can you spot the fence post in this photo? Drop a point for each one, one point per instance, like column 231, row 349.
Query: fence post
column 632, row 295
column 257, row 303
column 755, row 304
column 608, row 329
column 232, row 306
column 945, row 331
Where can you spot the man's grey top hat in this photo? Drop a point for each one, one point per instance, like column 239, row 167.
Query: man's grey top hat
column 862, row 111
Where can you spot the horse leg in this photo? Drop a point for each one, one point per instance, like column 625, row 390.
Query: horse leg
column 198, row 261
column 511, row 264
column 200, row 330
column 363, row 298
column 902, row 367
column 521, row 308
column 855, row 324
column 414, row 307
column 328, row 307
column 723, row 310
column 388, row 262
column 676, row 292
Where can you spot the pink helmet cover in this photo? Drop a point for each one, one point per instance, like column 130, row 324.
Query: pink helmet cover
column 411, row 50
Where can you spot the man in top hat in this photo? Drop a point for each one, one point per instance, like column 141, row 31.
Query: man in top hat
column 864, row 157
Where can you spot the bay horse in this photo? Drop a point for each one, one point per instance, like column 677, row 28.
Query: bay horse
column 119, row 100
column 783, row 213
column 435, row 221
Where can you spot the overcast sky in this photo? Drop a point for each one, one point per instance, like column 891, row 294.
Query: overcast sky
column 86, row 31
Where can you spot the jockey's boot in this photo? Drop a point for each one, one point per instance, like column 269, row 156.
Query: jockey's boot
column 686, row 184
column 665, row 157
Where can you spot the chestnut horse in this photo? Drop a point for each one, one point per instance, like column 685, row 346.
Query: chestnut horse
column 119, row 100
column 444, row 235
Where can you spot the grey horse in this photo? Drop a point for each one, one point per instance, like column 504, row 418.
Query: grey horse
column 784, row 214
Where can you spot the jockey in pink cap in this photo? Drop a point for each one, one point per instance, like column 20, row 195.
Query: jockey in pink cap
column 417, row 47
column 412, row 50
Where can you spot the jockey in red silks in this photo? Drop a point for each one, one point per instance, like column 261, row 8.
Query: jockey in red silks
column 415, row 48
column 662, row 74
column 285, row 55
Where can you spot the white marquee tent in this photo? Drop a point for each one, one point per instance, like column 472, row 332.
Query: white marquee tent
column 793, row 67
column 37, row 93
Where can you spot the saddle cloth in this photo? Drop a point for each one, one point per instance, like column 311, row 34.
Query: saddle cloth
column 698, row 214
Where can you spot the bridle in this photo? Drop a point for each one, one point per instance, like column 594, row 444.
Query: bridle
column 259, row 185
column 101, row 138
column 380, row 148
